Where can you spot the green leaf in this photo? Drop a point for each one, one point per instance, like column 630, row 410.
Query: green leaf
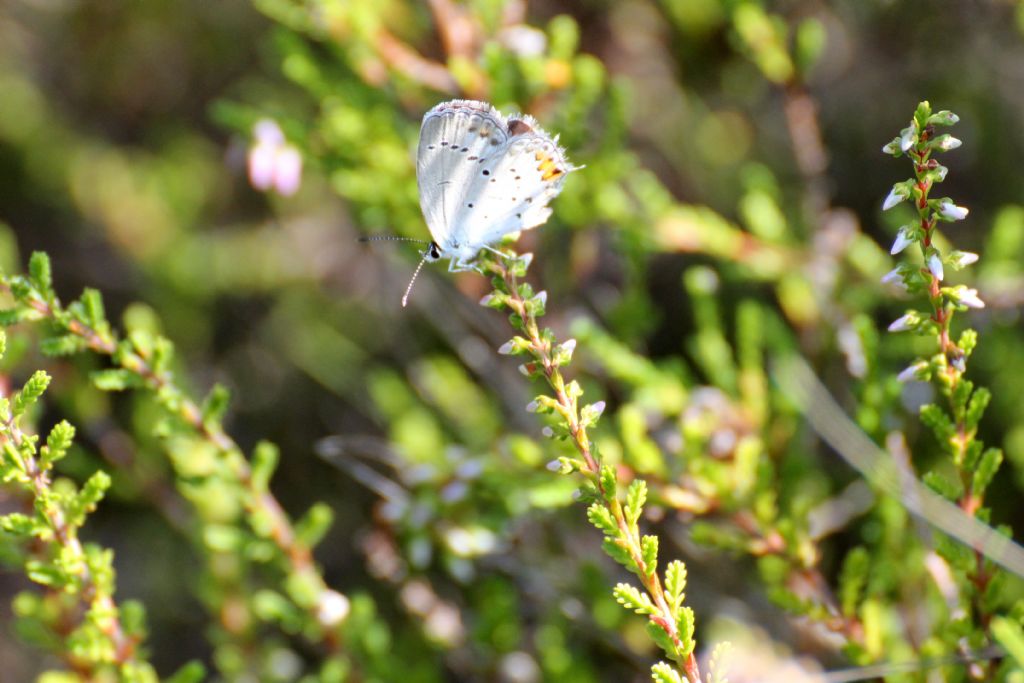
column 675, row 584
column 976, row 407
column 1010, row 635
column 636, row 497
column 631, row 598
column 986, row 470
column 661, row 638
column 615, row 550
column 57, row 443
column 116, row 379
column 85, row 501
column 215, row 404
column 264, row 461
column 602, row 518
column 40, row 274
column 942, row 485
column 663, row 673
column 852, row 579
column 63, row 345
column 609, row 482
column 649, row 553
column 941, row 424
column 718, row 668
column 92, row 307
column 686, row 623
column 193, row 672
column 25, row 526
column 30, row 393
column 312, row 527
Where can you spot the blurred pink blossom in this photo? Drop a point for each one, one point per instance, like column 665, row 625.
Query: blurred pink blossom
column 273, row 163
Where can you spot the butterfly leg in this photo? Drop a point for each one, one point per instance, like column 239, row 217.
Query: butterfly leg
column 458, row 265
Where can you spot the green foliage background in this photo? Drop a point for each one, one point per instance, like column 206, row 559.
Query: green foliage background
column 729, row 212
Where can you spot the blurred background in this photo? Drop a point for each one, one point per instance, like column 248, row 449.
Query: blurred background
column 730, row 205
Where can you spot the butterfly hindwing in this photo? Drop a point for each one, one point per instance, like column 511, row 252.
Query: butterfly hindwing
column 510, row 191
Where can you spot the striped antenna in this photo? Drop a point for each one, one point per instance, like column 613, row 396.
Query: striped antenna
column 405, row 297
column 390, row 238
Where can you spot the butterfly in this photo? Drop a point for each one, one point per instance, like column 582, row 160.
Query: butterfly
column 482, row 176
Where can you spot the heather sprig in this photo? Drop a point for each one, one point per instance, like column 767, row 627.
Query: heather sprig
column 143, row 359
column 78, row 614
column 955, row 425
column 670, row 622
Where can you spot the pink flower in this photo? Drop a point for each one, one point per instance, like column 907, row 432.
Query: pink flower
column 273, row 163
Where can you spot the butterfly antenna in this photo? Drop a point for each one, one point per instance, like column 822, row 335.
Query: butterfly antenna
column 405, row 297
column 390, row 238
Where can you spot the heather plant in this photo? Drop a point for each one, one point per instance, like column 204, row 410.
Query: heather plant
column 712, row 274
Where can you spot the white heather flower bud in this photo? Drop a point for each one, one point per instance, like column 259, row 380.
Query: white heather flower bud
column 903, row 323
column 891, row 147
column 542, row 297
column 569, row 345
column 907, row 137
column 532, row 407
column 944, row 118
column 599, row 408
column 548, row 432
column 897, row 194
column 487, row 298
column 960, row 364
column 903, row 240
column 953, row 212
column 526, row 259
column 912, row 372
column 935, row 266
column 523, row 370
column 959, row 259
column 333, row 608
column 969, row 297
column 554, row 466
column 948, row 142
column 506, row 348
column 894, row 277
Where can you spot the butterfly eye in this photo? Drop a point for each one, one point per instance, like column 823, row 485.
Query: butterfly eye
column 433, row 252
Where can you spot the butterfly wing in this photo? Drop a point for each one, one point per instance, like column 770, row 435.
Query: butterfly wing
column 511, row 187
column 454, row 138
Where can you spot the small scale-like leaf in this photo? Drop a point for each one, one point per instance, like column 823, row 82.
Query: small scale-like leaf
column 852, row 579
column 685, row 622
column 92, row 308
column 649, row 553
column 311, row 527
column 57, row 443
column 40, row 273
column 988, row 465
column 193, row 672
column 63, row 345
column 675, row 583
column 264, row 461
column 663, row 673
column 636, row 497
column 632, row 598
column 618, row 553
column 116, row 379
column 215, row 404
column 602, row 518
column 718, row 668
column 609, row 482
column 30, row 393
column 976, row 407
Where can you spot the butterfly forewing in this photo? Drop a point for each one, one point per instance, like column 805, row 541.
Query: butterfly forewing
column 454, row 138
